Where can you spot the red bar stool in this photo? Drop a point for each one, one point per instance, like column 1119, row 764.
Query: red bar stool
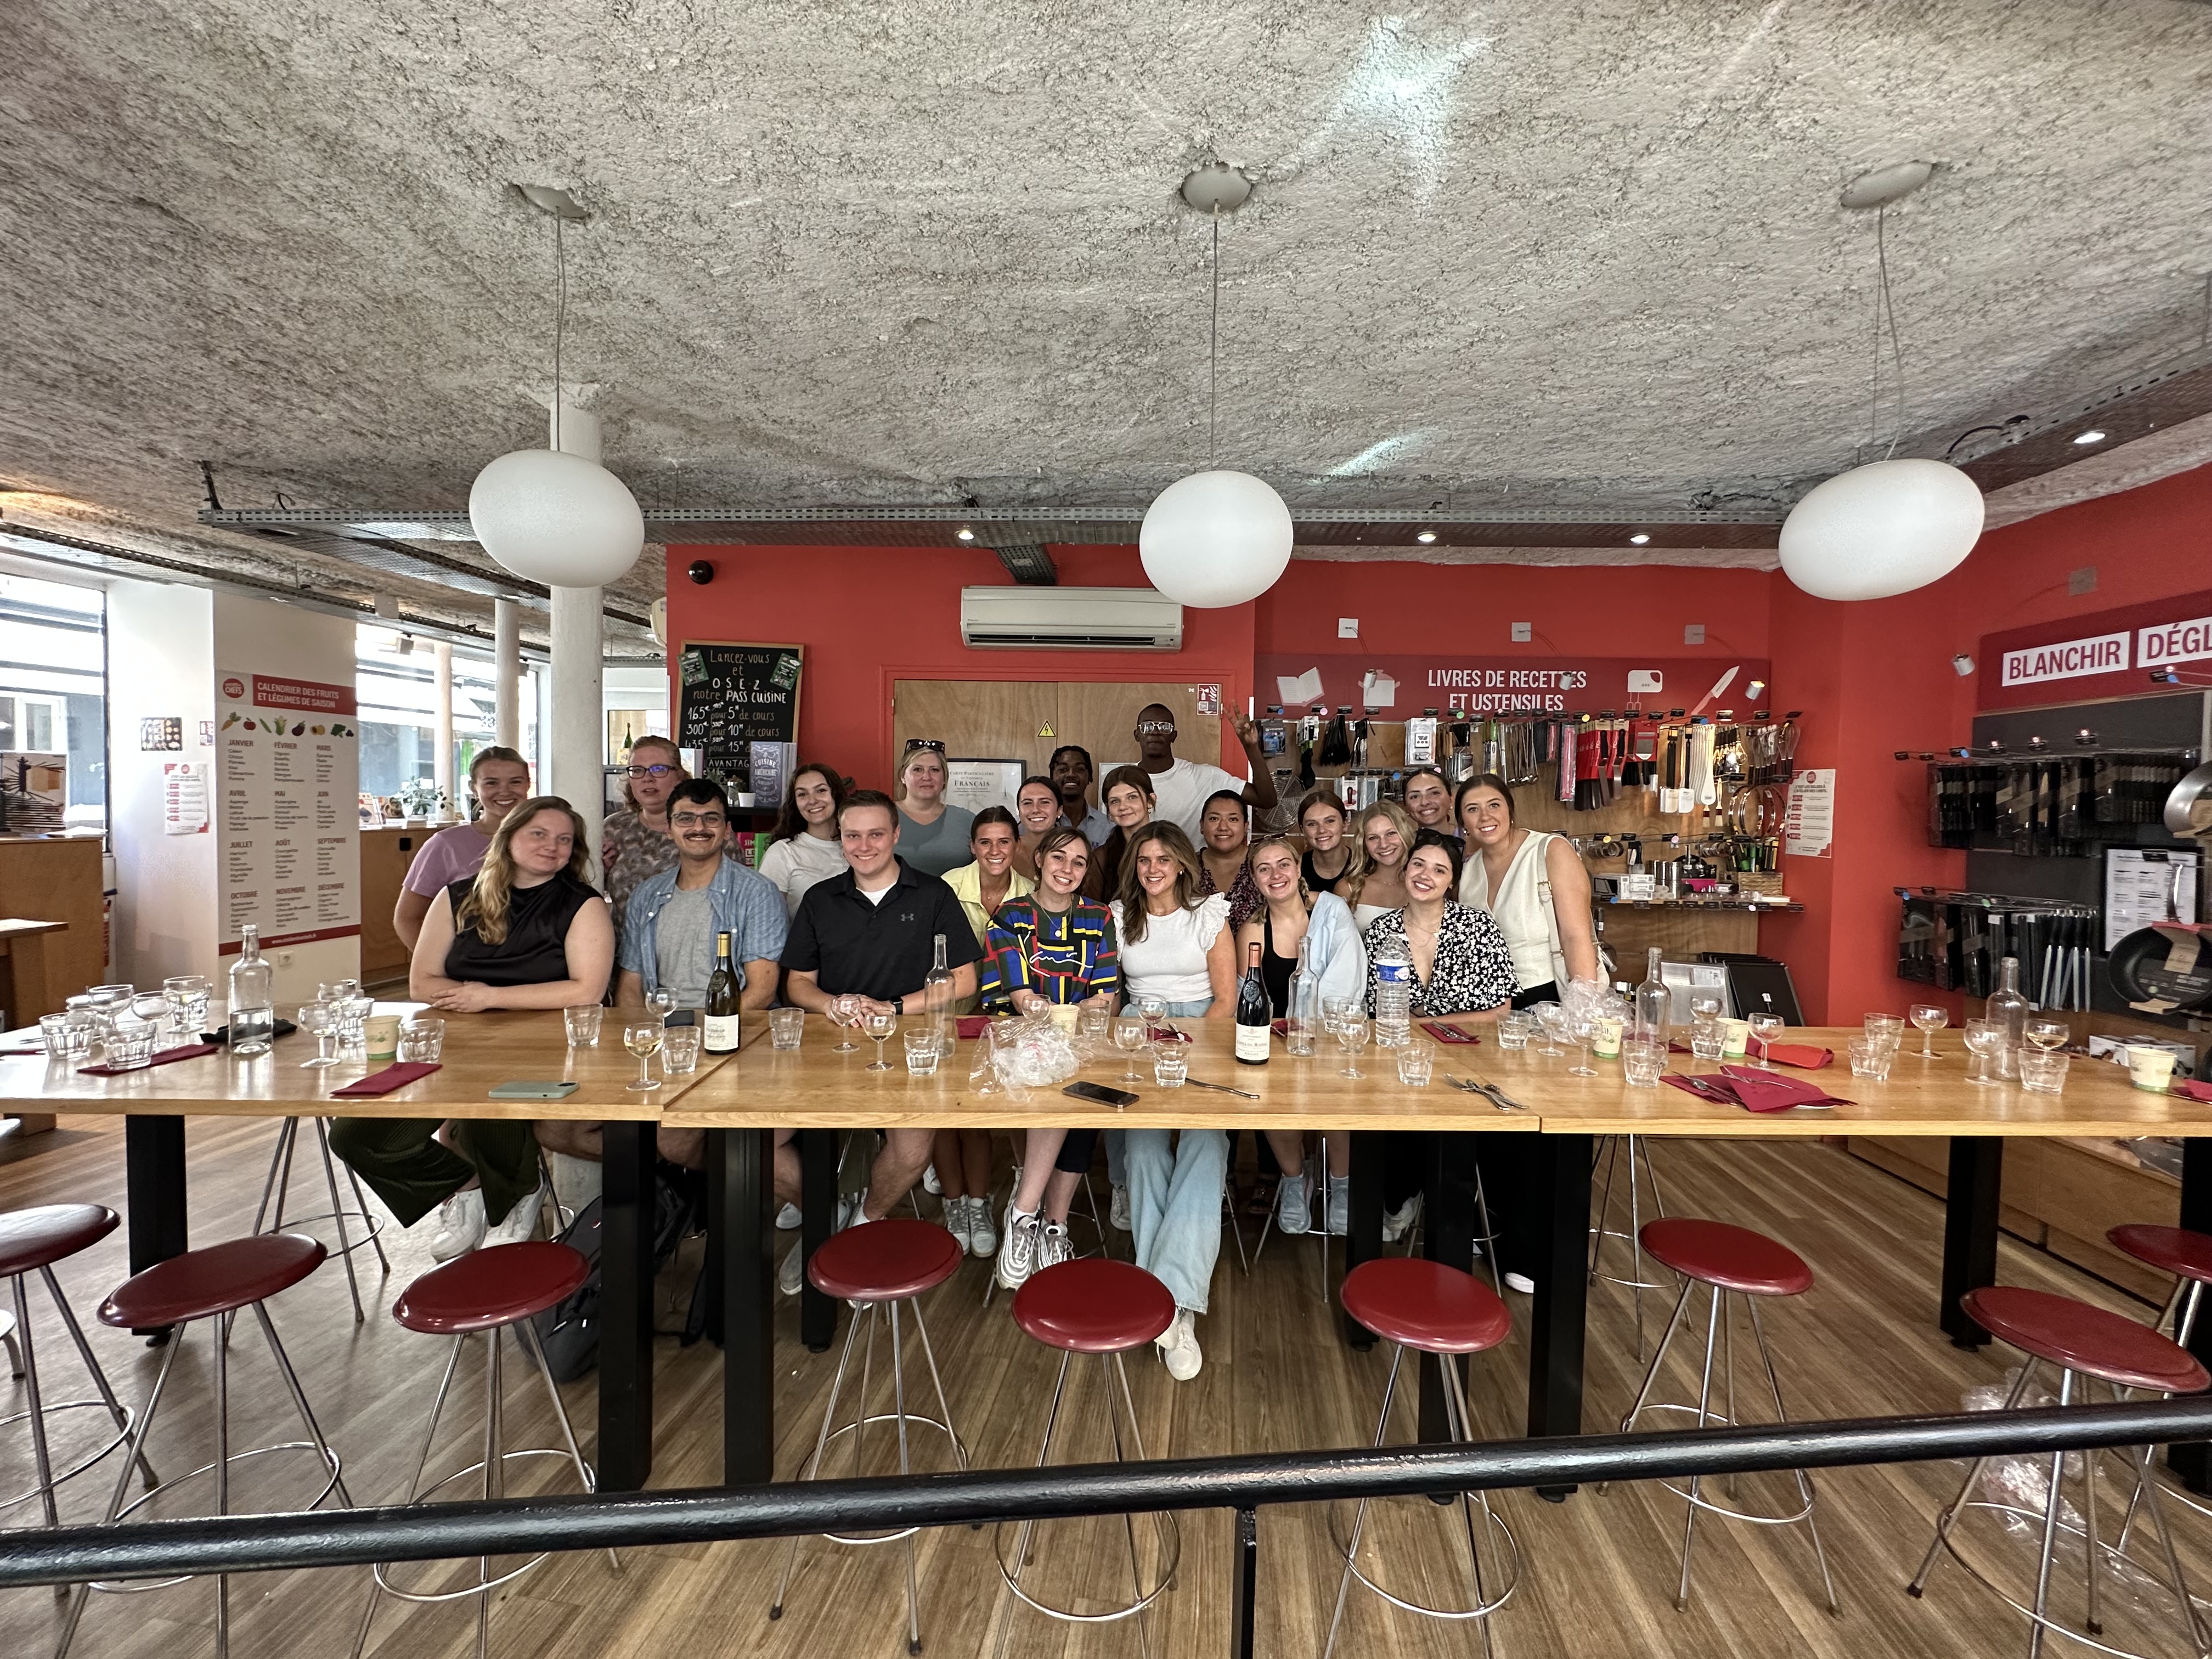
column 1730, row 1261
column 1097, row 1306
column 2188, row 1257
column 2083, row 1342
column 1426, row 1307
column 32, row 1241
column 505, row 1287
column 876, row 1266
column 212, row 1284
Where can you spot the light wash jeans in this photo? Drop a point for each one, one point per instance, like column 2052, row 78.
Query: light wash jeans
column 1175, row 1198
column 1117, row 1156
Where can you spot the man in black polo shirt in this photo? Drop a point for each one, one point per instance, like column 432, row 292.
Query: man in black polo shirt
column 871, row 932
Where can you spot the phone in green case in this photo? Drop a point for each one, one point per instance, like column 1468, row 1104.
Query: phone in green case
column 532, row 1090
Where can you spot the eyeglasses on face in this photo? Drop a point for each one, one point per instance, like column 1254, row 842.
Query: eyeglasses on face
column 697, row 820
column 656, row 770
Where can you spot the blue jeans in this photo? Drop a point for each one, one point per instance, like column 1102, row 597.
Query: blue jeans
column 1175, row 1198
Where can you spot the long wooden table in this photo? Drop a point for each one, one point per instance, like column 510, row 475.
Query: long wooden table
column 481, row 1050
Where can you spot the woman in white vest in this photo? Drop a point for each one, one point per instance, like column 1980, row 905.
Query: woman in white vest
column 1536, row 888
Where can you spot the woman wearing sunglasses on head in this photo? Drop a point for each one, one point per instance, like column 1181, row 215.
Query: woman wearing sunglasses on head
column 933, row 836
column 634, row 841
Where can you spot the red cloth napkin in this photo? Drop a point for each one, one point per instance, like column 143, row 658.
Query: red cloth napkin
column 2193, row 1090
column 972, row 1025
column 1167, row 1034
column 17, row 1053
column 1805, row 1056
column 167, row 1057
column 1444, row 1033
column 1755, row 1090
column 390, row 1078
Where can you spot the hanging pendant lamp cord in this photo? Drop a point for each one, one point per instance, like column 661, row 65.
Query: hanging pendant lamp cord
column 1885, row 312
column 1214, row 352
column 559, row 319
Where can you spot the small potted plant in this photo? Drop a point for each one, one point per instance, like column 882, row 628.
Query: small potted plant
column 420, row 799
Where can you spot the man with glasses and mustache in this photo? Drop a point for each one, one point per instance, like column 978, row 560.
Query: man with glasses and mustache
column 1181, row 788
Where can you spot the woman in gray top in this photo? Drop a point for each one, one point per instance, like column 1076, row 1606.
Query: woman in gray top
column 932, row 836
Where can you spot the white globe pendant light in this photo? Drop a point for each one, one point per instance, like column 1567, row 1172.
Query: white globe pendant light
column 1215, row 538
column 557, row 519
column 1882, row 529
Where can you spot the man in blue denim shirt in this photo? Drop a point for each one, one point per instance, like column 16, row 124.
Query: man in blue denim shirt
column 668, row 933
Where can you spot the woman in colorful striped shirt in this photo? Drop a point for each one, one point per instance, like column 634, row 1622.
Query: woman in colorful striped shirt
column 1052, row 949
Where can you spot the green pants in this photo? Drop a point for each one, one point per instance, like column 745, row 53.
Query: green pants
column 414, row 1173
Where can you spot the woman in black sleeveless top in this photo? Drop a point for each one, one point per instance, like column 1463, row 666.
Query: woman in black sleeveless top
column 527, row 931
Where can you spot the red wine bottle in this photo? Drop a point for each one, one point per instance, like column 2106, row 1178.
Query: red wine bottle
column 1254, row 1024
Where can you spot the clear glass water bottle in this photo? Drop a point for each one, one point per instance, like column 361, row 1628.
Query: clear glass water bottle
column 1653, row 1004
column 1394, row 996
column 2008, row 1008
column 253, row 997
column 1302, row 1007
column 937, row 997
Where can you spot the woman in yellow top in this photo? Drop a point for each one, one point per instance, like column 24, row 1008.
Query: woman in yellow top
column 963, row 1157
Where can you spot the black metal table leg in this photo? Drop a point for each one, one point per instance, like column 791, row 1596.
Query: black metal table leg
column 1365, row 1242
column 818, row 1204
column 1448, row 1237
column 742, row 1247
column 2192, row 1459
column 153, row 1169
column 626, row 1306
column 1244, row 1587
column 1970, row 1231
column 1556, row 1326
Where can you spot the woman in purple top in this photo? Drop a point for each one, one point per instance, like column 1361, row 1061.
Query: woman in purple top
column 499, row 780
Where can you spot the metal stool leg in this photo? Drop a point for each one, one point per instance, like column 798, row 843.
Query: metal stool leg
column 1456, row 1413
column 37, row 1413
column 898, row 1405
column 1028, row 1528
column 1106, row 1366
column 821, row 1446
column 1949, row 1517
column 300, row 1401
column 1359, row 1515
column 1489, row 1238
column 92, row 1364
column 1705, row 1401
column 1805, row 1489
column 495, row 1483
column 414, row 1484
column 82, row 1593
column 534, row 1350
column 338, row 1219
column 2199, row 1636
column 1658, row 1359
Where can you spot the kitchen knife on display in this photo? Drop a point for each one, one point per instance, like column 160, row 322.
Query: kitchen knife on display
column 1719, row 686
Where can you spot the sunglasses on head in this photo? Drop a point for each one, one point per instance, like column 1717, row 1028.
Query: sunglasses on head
column 915, row 744
column 1157, row 728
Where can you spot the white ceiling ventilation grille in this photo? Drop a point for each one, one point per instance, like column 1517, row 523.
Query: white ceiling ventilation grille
column 1069, row 619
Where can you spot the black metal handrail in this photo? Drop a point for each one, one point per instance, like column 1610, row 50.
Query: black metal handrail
column 257, row 1543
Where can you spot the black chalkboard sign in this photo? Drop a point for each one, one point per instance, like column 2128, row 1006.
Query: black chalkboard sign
column 732, row 697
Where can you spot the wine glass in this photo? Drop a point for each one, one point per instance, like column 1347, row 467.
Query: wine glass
column 1551, row 1020
column 1765, row 1028
column 642, row 1038
column 1984, row 1037
column 845, row 1015
column 1129, row 1038
column 320, row 1021
column 1155, row 1009
column 1351, row 1033
column 2047, row 1034
column 188, row 996
column 1578, row 1030
column 879, row 1027
column 1927, row 1018
column 661, row 1002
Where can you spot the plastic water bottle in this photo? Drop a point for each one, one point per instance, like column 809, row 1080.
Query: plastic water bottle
column 1394, row 996
column 252, row 1012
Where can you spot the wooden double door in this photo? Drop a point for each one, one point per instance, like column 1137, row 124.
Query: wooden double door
column 1027, row 719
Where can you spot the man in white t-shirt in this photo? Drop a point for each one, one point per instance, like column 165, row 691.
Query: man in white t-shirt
column 1182, row 787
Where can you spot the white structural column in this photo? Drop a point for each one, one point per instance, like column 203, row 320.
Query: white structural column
column 575, row 749
column 442, row 769
column 507, row 673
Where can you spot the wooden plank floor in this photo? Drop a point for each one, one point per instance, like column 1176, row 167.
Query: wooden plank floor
column 1600, row 1568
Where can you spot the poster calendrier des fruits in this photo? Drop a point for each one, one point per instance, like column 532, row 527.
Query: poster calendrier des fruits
column 287, row 769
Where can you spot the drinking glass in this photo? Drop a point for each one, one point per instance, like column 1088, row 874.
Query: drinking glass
column 319, row 1021
column 680, row 1049
column 787, row 1027
column 2048, row 1034
column 1708, row 1039
column 422, row 1040
column 642, row 1037
column 1170, row 1067
column 1092, row 1018
column 1927, row 1019
column 583, row 1025
column 1550, row 1019
column 68, row 1037
column 2150, row 1069
column 1871, row 1057
column 2044, row 1072
column 1129, row 1037
column 1983, row 1038
column 1513, row 1028
column 131, row 1043
column 353, row 1021
column 662, row 1001
column 1642, row 1061
column 1416, row 1063
column 1352, row 1035
column 1577, row 1031
column 845, row 1015
column 1765, row 1028
column 879, row 1027
column 187, row 996
column 1887, row 1028
column 921, row 1052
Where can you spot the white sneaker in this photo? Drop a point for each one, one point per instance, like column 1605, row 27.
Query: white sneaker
column 1178, row 1346
column 1054, row 1246
column 1019, row 1259
column 1522, row 1283
column 982, row 1237
column 1340, row 1205
column 520, row 1224
column 852, row 1211
column 1397, row 1223
column 931, row 1184
column 788, row 1219
column 792, row 1273
column 1117, row 1207
column 460, row 1225
column 956, row 1221
column 1292, row 1214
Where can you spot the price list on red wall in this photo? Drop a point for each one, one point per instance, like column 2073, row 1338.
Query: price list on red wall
column 288, row 761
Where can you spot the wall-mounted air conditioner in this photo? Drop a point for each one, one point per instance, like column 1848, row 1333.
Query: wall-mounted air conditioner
column 1069, row 619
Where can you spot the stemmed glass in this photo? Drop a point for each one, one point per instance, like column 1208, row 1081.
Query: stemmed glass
column 1551, row 1020
column 188, row 996
column 1927, row 1019
column 642, row 1038
column 1129, row 1038
column 2048, row 1034
column 879, row 1027
column 1765, row 1028
column 662, row 1002
column 320, row 1021
column 1983, row 1038
column 1351, row 1033
column 845, row 1015
column 1578, row 1030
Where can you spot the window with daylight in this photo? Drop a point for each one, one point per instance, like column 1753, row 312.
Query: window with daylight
column 54, row 704
column 396, row 680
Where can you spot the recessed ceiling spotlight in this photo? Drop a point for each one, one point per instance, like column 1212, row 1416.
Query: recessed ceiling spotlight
column 965, row 533
column 2092, row 436
column 1639, row 539
column 1425, row 536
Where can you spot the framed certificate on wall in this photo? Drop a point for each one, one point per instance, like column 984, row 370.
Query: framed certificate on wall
column 976, row 784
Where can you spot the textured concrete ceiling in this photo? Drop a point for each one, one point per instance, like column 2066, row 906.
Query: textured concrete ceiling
column 1572, row 254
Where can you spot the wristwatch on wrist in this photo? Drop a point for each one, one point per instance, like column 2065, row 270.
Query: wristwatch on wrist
column 898, row 1006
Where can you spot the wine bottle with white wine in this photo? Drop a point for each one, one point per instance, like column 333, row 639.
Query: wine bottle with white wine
column 722, row 1035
